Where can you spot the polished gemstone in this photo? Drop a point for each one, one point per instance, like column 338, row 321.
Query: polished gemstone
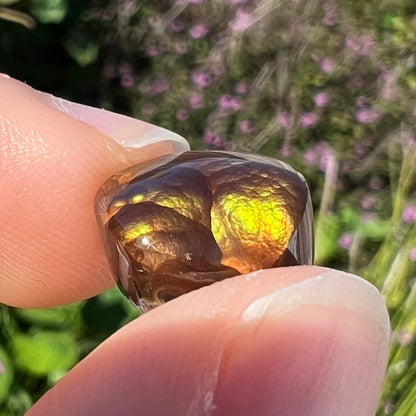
column 180, row 222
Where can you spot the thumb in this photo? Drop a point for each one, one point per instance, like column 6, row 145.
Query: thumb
column 290, row 341
column 54, row 156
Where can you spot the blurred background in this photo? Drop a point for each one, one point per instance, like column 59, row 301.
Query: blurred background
column 327, row 86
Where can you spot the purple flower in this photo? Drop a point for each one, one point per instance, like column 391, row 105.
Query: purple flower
column 352, row 44
column 361, row 101
column 125, row 68
column 409, row 214
column 188, row 1
column 196, row 100
column 389, row 408
column 326, row 155
column 357, row 81
column 234, row 1
column 182, row 114
column 375, row 184
column 198, row 31
column 321, row 153
column 367, row 42
column 387, row 74
column 160, row 86
column 359, row 150
column 176, row 25
column 367, row 115
column 152, row 50
column 229, row 102
column 410, row 141
column 246, row 126
column 213, row 139
column 368, row 217
column 148, row 109
column 362, row 46
column 310, row 157
column 108, row 15
column 328, row 21
column 321, row 99
column 330, row 14
column 327, row 65
column 286, row 150
column 181, row 47
column 308, row 120
column 219, row 142
column 406, row 337
column 217, row 68
column 208, row 136
column 367, row 202
column 202, row 79
column 126, row 81
column 241, row 87
column 242, row 21
column 412, row 254
column 129, row 6
column 285, row 119
column 388, row 93
column 345, row 241
column 346, row 167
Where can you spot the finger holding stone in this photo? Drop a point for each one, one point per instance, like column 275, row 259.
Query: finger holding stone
column 54, row 156
column 289, row 341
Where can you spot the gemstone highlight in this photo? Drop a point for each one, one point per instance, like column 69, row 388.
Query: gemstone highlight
column 184, row 221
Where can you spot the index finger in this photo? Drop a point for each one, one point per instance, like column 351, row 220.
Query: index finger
column 54, row 155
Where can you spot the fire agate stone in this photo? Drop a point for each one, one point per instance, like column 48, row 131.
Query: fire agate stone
column 180, row 222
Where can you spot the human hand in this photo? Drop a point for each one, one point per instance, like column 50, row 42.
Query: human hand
column 300, row 341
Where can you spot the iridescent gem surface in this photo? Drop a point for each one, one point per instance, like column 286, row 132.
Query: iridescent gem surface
column 180, row 222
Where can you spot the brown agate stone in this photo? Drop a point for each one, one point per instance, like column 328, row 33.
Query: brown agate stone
column 180, row 222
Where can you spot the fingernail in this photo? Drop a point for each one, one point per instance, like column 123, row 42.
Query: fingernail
column 330, row 288
column 4, row 75
column 127, row 131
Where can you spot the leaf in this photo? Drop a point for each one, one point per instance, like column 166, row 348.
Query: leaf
column 326, row 241
column 408, row 406
column 114, row 296
column 111, row 296
column 82, row 49
column 45, row 352
column 18, row 402
column 68, row 315
column 105, row 314
column 6, row 376
column 49, row 11
column 376, row 229
column 350, row 217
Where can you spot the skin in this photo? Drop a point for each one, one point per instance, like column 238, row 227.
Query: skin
column 274, row 342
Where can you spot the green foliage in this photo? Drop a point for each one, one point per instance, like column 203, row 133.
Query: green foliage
column 6, row 376
column 8, row 2
column 49, row 11
column 46, row 343
column 409, row 404
column 326, row 242
column 83, row 50
column 52, row 317
column 41, row 353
